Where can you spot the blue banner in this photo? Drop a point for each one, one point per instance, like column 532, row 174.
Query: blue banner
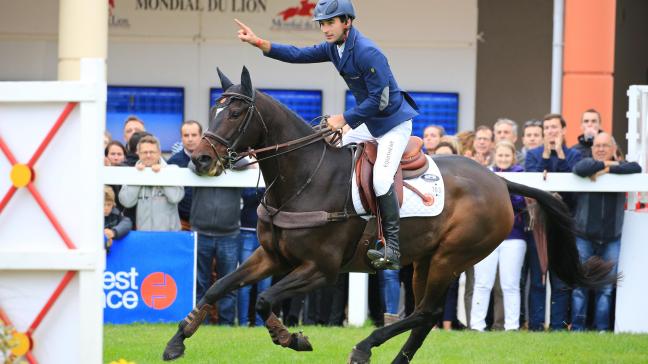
column 150, row 277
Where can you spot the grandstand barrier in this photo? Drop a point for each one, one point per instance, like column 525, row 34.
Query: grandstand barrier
column 51, row 250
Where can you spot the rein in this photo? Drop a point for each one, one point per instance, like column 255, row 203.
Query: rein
column 301, row 142
column 229, row 161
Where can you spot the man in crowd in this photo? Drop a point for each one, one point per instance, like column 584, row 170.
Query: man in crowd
column 432, row 135
column 191, row 132
column 157, row 206
column 483, row 146
column 596, row 234
column 531, row 138
column 133, row 127
column 132, row 124
column 215, row 217
column 590, row 126
column 552, row 156
column 507, row 129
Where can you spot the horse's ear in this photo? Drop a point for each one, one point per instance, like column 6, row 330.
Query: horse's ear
column 225, row 82
column 246, row 83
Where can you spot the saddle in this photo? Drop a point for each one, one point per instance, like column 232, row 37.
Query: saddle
column 413, row 164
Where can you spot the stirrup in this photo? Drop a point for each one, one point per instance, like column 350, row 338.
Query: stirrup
column 377, row 253
column 384, row 264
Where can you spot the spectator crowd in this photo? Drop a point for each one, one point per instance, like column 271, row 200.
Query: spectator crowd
column 505, row 291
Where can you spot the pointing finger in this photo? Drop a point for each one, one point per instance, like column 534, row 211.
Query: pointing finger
column 240, row 24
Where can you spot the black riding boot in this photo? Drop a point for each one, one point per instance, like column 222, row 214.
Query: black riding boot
column 388, row 256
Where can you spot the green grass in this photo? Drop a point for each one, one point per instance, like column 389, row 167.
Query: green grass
column 144, row 343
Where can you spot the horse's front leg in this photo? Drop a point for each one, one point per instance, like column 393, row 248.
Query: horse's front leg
column 259, row 266
column 302, row 279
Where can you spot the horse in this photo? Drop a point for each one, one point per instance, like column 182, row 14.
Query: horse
column 305, row 173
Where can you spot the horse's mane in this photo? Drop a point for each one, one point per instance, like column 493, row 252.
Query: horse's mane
column 303, row 125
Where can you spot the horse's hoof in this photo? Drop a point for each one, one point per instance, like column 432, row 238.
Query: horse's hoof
column 358, row 357
column 175, row 348
column 300, row 342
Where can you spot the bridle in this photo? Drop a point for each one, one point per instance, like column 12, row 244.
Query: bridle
column 211, row 138
column 232, row 157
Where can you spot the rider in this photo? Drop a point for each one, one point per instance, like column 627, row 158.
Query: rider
column 383, row 113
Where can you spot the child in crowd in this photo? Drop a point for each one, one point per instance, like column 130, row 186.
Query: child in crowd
column 116, row 225
column 509, row 256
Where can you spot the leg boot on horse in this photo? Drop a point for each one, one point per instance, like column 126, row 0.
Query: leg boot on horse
column 304, row 278
column 387, row 256
column 260, row 265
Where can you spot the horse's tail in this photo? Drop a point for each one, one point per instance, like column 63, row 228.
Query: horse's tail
column 558, row 226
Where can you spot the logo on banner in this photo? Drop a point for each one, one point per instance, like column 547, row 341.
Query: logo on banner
column 304, row 9
column 114, row 20
column 296, row 17
column 159, row 290
column 120, row 289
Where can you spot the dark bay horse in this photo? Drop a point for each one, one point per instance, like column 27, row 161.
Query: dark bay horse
column 476, row 218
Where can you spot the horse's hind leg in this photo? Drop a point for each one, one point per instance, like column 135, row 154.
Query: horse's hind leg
column 426, row 313
column 418, row 334
column 303, row 279
column 257, row 267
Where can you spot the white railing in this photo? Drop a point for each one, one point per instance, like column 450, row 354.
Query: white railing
column 558, row 182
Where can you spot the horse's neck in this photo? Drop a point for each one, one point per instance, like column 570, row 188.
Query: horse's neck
column 290, row 171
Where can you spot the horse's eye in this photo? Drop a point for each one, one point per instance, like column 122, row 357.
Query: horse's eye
column 235, row 114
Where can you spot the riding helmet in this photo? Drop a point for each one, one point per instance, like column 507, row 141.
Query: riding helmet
column 328, row 9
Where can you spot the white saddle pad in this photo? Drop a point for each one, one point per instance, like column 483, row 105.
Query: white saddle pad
column 429, row 183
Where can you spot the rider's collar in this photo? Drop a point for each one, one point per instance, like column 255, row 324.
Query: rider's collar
column 341, row 42
column 340, row 49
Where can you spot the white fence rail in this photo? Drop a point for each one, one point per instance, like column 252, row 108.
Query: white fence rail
column 558, row 182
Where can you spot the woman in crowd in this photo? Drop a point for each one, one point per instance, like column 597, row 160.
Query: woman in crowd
column 466, row 139
column 115, row 152
column 509, row 256
column 445, row 148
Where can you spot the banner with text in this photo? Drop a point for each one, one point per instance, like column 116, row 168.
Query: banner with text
column 150, row 277
column 428, row 22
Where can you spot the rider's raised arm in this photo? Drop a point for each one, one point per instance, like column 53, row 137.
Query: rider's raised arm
column 287, row 53
column 375, row 73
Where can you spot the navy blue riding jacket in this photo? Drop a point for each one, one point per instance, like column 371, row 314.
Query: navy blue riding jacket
column 381, row 104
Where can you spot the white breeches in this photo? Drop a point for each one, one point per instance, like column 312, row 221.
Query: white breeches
column 391, row 146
